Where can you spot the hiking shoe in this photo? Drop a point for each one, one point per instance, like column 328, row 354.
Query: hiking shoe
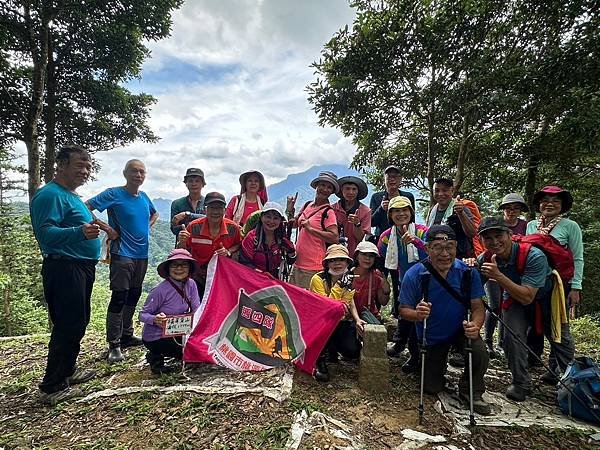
column 480, row 406
column 322, row 372
column 456, row 359
column 162, row 369
column 517, row 393
column 332, row 357
column 81, row 376
column 411, row 366
column 549, row 378
column 395, row 349
column 57, row 397
column 115, row 355
column 132, row 341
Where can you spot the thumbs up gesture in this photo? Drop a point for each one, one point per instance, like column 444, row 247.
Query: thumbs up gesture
column 407, row 238
column 490, row 269
column 459, row 205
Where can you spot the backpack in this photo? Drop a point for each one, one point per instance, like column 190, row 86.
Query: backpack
column 582, row 378
column 324, row 212
column 559, row 257
column 477, row 247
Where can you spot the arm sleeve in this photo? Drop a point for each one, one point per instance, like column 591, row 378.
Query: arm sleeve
column 177, row 228
column 330, row 219
column 476, row 285
column 229, row 209
column 317, row 285
column 575, row 244
column 247, row 251
column 420, row 231
column 150, row 309
column 377, row 213
column 532, row 227
column 536, row 269
column 410, row 292
column 151, row 207
column 102, row 201
column 365, row 221
column 45, row 219
column 383, row 243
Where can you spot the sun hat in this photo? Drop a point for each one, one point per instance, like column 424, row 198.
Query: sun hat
column 399, row 202
column 179, row 254
column 194, row 172
column 565, row 196
column 513, row 197
column 440, row 233
column 273, row 206
column 336, row 251
column 366, row 247
column 214, row 197
column 330, row 178
column 492, row 223
column 363, row 190
column 262, row 187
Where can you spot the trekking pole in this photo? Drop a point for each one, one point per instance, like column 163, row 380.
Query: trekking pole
column 470, row 356
column 423, row 353
column 540, row 360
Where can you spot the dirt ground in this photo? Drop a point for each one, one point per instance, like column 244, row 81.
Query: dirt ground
column 187, row 420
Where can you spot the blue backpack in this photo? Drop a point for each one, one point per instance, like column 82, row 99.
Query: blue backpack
column 583, row 378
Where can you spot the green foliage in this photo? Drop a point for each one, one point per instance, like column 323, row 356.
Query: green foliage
column 20, row 288
column 62, row 70
column 586, row 332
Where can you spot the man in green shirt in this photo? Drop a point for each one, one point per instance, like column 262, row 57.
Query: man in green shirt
column 190, row 207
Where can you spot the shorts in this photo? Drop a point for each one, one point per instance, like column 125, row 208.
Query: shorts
column 126, row 273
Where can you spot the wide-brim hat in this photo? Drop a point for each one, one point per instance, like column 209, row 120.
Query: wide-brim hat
column 336, row 251
column 244, row 177
column 565, row 196
column 363, row 190
column 179, row 254
column 194, row 172
column 328, row 177
column 513, row 197
column 366, row 247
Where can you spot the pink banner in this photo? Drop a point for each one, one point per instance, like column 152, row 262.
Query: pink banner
column 249, row 321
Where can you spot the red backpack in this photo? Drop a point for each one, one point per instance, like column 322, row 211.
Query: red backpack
column 559, row 257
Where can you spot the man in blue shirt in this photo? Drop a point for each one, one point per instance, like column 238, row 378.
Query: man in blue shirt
column 422, row 296
column 521, row 286
column 69, row 244
column 130, row 216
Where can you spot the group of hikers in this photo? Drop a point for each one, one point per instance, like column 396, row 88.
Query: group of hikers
column 436, row 273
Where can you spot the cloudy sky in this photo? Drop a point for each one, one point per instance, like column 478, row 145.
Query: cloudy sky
column 230, row 89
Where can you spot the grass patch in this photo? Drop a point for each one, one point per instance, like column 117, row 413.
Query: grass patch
column 586, row 333
column 21, row 383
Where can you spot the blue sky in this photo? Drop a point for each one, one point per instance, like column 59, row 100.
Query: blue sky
column 230, row 89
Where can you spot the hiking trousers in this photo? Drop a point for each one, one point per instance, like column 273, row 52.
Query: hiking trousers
column 436, row 365
column 68, row 289
column 519, row 318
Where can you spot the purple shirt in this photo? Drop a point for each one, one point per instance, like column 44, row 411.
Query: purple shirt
column 164, row 298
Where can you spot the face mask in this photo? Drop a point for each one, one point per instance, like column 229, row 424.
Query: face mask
column 338, row 273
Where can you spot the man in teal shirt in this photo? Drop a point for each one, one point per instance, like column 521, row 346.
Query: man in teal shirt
column 190, row 207
column 68, row 240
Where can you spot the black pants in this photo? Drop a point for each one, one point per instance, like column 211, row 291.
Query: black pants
column 67, row 289
column 344, row 340
column 436, row 365
column 170, row 347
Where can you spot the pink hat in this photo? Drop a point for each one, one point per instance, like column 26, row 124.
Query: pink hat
column 179, row 254
column 564, row 195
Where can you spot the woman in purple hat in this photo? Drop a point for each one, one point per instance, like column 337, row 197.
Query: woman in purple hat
column 174, row 296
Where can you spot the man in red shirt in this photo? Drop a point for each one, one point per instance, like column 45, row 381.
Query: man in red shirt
column 210, row 235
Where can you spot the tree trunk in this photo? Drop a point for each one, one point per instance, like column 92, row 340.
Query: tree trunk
column 462, row 153
column 7, row 312
column 39, row 55
column 531, row 182
column 50, row 153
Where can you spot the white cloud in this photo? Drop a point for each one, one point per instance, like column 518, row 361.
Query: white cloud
column 251, row 111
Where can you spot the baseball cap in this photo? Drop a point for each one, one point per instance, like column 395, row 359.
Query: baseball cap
column 214, row 197
column 440, row 233
column 492, row 223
